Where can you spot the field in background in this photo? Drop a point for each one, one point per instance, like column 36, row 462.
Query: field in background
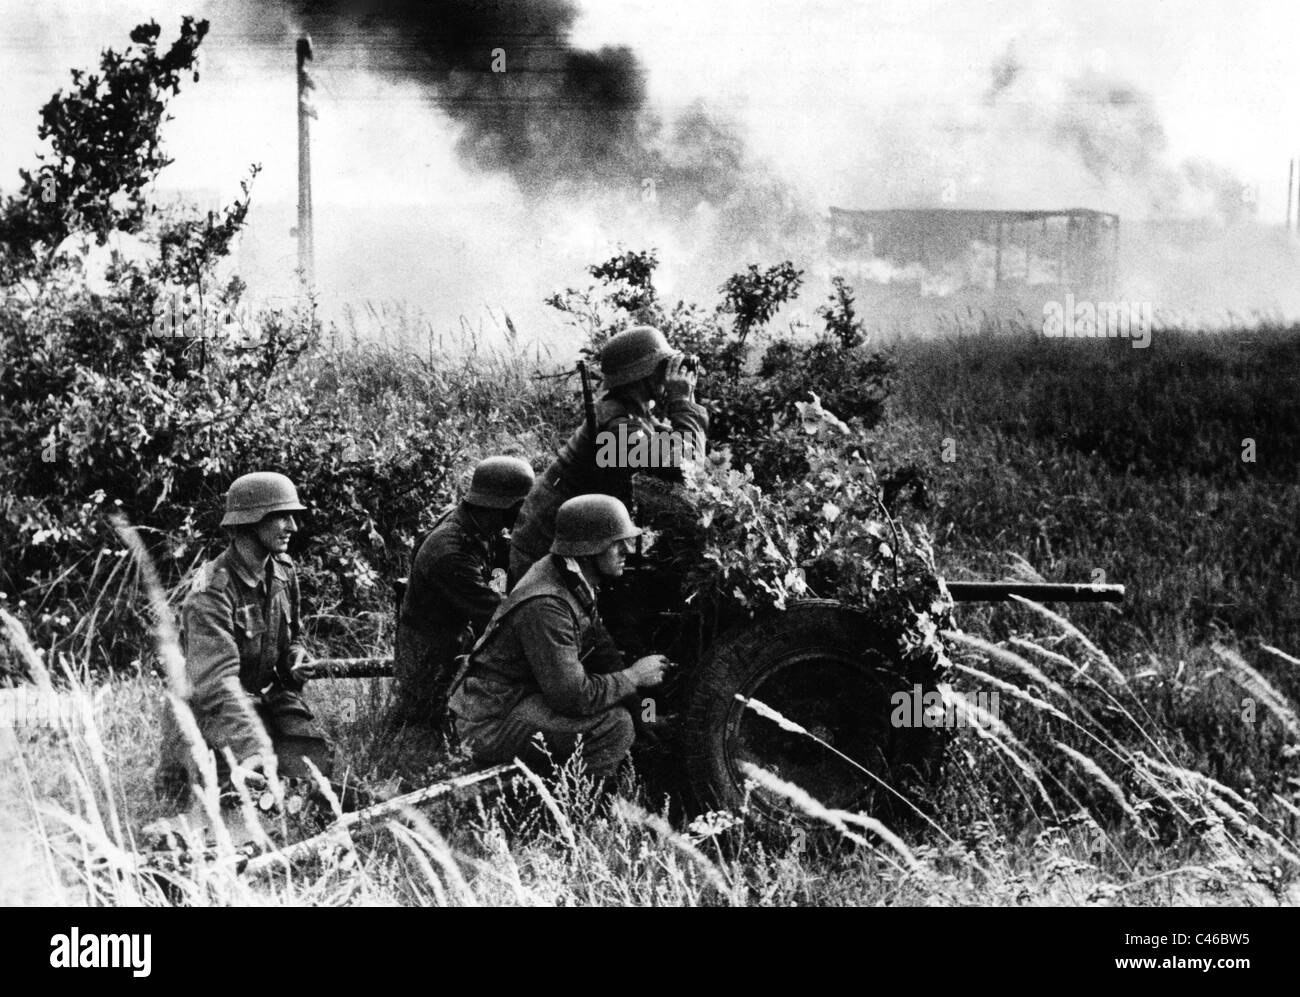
column 1088, row 457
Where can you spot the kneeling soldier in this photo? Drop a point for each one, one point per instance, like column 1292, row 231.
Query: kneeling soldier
column 546, row 663
column 241, row 626
column 449, row 598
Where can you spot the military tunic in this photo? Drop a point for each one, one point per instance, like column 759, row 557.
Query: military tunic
column 241, row 628
column 575, row 471
column 546, row 664
column 449, row 600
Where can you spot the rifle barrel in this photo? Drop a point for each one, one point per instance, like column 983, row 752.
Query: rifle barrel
column 588, row 402
column 349, row 668
column 337, row 833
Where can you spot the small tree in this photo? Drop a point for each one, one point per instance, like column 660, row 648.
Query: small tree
column 630, row 276
column 754, row 296
column 105, row 146
column 841, row 318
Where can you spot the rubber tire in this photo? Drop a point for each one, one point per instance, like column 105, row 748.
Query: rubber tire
column 810, row 642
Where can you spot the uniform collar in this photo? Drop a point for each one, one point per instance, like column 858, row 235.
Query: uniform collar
column 471, row 528
column 253, row 575
column 466, row 521
column 572, row 564
column 613, row 406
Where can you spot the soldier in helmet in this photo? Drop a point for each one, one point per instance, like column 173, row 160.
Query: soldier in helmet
column 643, row 377
column 449, row 597
column 241, row 627
column 546, row 664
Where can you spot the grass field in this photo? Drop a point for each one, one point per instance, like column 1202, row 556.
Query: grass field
column 1137, row 775
column 1088, row 456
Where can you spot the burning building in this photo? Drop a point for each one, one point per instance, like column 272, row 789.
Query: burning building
column 991, row 259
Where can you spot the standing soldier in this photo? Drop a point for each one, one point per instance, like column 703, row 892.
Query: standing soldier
column 641, row 372
column 241, row 630
column 449, row 598
column 546, row 664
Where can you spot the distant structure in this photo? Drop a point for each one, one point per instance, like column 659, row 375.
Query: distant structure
column 990, row 256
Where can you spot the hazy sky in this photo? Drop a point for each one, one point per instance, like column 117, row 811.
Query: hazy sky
column 851, row 101
column 1223, row 73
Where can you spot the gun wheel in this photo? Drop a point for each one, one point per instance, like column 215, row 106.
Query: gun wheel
column 828, row 670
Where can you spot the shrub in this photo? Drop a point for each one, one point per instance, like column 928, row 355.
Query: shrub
column 824, row 534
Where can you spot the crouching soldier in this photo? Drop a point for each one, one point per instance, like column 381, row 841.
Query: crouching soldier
column 241, row 625
column 546, row 664
column 449, row 598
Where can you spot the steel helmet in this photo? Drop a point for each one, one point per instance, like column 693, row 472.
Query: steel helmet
column 253, row 496
column 633, row 354
column 588, row 524
column 500, row 482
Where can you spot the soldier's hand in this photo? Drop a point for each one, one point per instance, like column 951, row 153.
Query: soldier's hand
column 300, row 668
column 650, row 670
column 260, row 780
column 259, row 769
column 679, row 382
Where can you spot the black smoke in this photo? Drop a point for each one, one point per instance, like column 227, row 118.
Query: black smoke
column 558, row 117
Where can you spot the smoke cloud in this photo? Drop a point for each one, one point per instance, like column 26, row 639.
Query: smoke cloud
column 563, row 156
column 556, row 117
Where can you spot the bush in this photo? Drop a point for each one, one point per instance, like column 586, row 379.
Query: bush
column 824, row 534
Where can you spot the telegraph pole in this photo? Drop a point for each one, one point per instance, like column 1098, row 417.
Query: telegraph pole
column 1295, row 166
column 306, row 259
column 1290, row 182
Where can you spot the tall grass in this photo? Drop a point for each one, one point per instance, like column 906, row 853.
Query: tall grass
column 1070, row 797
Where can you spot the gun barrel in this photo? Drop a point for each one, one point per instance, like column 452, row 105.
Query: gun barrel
column 1034, row 591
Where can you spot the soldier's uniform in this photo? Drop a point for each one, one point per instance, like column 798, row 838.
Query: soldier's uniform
column 575, row 471
column 546, row 664
column 448, row 602
column 241, row 625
